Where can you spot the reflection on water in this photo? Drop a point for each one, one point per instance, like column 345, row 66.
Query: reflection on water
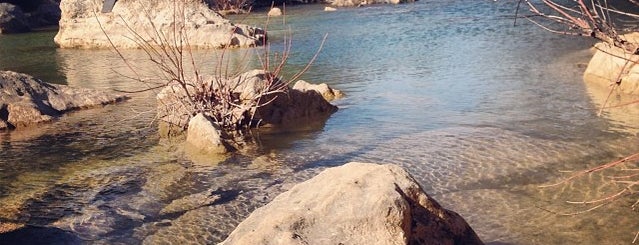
column 479, row 111
column 621, row 110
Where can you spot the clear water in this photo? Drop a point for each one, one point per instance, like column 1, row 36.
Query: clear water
column 480, row 112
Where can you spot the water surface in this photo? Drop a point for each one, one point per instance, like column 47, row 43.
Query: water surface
column 481, row 113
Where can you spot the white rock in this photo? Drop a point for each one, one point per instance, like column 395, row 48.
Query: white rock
column 275, row 11
column 329, row 9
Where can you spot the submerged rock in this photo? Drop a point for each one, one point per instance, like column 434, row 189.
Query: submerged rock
column 12, row 19
column 190, row 202
column 82, row 23
column 358, row 203
column 610, row 65
column 25, row 100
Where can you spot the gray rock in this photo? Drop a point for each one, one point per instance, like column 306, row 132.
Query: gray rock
column 82, row 22
column 12, row 19
column 25, row 100
column 358, row 203
column 205, row 136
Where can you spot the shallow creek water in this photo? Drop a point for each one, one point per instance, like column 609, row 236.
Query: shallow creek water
column 480, row 112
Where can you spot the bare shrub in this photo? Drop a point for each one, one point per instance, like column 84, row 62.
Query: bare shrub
column 230, row 97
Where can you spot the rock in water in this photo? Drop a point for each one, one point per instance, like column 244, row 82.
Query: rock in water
column 25, row 100
column 82, row 22
column 612, row 63
column 205, row 136
column 327, row 92
column 12, row 19
column 358, row 203
column 274, row 12
column 329, row 9
column 292, row 109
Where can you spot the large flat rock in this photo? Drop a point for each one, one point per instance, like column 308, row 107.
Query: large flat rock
column 25, row 101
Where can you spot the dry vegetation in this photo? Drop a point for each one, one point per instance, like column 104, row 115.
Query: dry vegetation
column 221, row 96
column 602, row 20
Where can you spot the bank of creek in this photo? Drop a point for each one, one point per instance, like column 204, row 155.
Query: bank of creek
column 481, row 113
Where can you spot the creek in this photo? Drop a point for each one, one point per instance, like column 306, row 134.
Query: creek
column 479, row 111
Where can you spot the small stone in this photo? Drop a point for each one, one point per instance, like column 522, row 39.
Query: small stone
column 275, row 11
column 329, row 9
column 204, row 135
column 327, row 92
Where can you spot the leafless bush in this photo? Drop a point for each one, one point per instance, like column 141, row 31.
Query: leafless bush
column 594, row 18
column 223, row 96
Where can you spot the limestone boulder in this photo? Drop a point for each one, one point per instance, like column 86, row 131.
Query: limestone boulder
column 25, row 100
column 12, row 19
column 358, row 203
column 205, row 136
column 326, row 91
column 82, row 22
column 611, row 64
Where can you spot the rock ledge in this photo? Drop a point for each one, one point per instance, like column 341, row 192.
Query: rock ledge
column 25, row 101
